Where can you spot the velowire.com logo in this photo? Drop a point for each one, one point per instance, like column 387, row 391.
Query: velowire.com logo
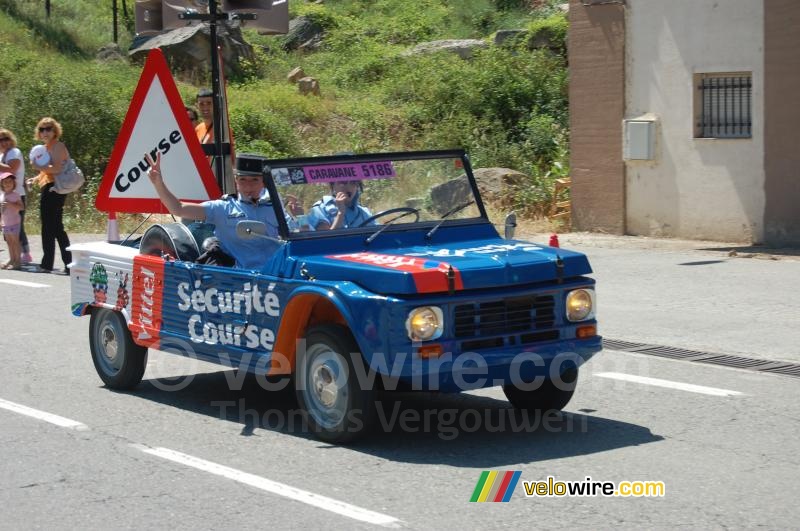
column 495, row 486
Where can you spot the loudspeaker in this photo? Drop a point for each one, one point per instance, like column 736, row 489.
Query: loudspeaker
column 272, row 16
column 173, row 8
column 233, row 6
column 148, row 17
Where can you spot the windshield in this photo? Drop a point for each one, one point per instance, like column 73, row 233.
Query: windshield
column 356, row 193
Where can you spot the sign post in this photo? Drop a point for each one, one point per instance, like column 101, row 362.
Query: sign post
column 222, row 142
column 112, row 230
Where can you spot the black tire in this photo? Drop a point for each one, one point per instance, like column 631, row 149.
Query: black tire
column 338, row 410
column 546, row 397
column 119, row 361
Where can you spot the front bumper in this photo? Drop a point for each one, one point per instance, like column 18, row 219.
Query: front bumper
column 458, row 372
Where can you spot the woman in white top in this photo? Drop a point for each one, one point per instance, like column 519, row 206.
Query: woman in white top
column 11, row 160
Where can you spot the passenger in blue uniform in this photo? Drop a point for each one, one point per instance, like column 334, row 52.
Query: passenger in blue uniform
column 341, row 209
column 251, row 202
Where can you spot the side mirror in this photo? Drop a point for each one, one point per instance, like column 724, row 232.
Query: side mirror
column 511, row 225
column 250, row 230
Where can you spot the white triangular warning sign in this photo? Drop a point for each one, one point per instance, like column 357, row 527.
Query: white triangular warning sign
column 156, row 122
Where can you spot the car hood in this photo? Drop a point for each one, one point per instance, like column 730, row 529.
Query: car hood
column 448, row 268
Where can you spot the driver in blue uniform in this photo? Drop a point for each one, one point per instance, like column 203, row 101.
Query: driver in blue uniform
column 341, row 209
column 251, row 202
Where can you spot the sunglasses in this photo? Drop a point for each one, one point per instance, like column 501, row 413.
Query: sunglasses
column 45, row 129
column 5, row 138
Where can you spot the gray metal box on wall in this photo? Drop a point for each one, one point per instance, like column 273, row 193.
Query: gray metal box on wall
column 640, row 140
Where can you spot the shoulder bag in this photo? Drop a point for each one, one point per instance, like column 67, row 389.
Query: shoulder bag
column 70, row 179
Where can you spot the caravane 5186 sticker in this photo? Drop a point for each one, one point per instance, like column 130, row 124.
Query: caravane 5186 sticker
column 331, row 173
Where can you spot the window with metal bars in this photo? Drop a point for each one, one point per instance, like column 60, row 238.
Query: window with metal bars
column 723, row 104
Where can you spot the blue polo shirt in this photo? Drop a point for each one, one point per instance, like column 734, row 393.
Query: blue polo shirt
column 225, row 213
column 326, row 210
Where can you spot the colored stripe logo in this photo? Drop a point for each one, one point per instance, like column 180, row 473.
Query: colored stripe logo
column 430, row 276
column 495, row 486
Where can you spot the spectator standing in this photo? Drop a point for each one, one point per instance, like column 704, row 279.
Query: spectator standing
column 10, row 206
column 205, row 105
column 51, row 205
column 205, row 134
column 11, row 160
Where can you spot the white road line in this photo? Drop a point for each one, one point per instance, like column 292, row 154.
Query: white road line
column 310, row 498
column 42, row 415
column 23, row 283
column 713, row 391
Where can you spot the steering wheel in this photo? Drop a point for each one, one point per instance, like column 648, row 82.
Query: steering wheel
column 407, row 210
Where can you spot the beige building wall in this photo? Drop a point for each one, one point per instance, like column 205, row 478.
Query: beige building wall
column 782, row 117
column 695, row 188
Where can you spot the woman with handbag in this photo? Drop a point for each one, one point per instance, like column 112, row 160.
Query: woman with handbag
column 51, row 205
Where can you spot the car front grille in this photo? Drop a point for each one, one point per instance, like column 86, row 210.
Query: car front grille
column 506, row 316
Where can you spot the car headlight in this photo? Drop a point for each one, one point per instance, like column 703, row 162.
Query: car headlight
column 580, row 304
column 425, row 323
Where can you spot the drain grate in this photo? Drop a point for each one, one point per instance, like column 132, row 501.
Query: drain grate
column 618, row 344
column 737, row 361
column 672, row 352
column 787, row 369
column 711, row 358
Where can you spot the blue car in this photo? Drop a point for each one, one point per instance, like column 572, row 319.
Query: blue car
column 383, row 273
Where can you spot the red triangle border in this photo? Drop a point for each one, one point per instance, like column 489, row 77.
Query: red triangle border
column 154, row 67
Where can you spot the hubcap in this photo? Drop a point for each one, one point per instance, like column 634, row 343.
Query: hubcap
column 108, row 338
column 110, row 350
column 324, row 385
column 326, row 388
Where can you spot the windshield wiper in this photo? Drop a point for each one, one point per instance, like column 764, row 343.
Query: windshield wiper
column 388, row 223
column 447, row 214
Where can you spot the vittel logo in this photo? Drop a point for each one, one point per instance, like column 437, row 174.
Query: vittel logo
column 148, row 280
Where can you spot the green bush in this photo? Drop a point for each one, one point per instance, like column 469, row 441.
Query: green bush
column 260, row 131
column 76, row 28
column 318, row 14
column 553, row 29
column 541, row 137
column 495, row 85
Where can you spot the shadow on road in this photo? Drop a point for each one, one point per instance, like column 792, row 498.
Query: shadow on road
column 755, row 251
column 422, row 427
column 703, row 262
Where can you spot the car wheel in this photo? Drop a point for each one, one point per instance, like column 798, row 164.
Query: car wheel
column 546, row 397
column 119, row 361
column 338, row 410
